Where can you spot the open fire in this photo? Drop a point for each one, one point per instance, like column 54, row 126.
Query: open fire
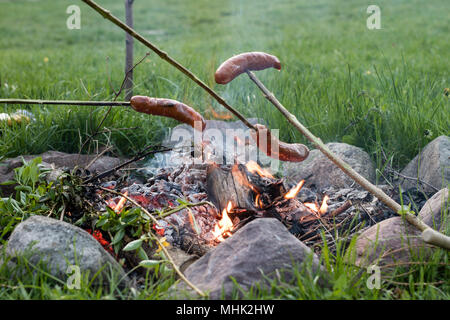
column 224, row 227
column 267, row 201
column 239, row 193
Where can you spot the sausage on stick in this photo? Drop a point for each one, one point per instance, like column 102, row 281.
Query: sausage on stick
column 168, row 108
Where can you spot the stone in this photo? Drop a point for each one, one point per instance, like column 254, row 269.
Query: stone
column 395, row 240
column 54, row 160
column 319, row 171
column 263, row 246
column 432, row 166
column 59, row 245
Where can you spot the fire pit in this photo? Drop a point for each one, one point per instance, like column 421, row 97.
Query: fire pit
column 231, row 195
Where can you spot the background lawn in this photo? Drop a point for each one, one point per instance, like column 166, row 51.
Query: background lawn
column 371, row 88
column 381, row 90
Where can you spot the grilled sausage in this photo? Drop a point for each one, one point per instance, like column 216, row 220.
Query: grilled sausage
column 167, row 108
column 240, row 63
column 293, row 152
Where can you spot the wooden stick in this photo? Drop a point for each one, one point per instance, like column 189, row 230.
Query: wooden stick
column 178, row 271
column 65, row 102
column 429, row 235
column 163, row 55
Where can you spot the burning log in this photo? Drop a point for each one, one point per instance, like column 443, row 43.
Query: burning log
column 244, row 188
column 245, row 192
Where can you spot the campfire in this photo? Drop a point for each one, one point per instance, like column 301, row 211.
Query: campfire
column 230, row 197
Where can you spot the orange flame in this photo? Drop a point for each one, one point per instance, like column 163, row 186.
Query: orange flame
column 253, row 167
column 311, row 206
column 293, row 192
column 257, row 200
column 119, row 206
column 225, row 225
column 323, row 207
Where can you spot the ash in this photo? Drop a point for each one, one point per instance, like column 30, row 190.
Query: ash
column 167, row 188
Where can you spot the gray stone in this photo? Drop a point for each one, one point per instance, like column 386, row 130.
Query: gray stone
column 318, row 170
column 59, row 244
column 263, row 246
column 52, row 160
column 432, row 166
column 395, row 240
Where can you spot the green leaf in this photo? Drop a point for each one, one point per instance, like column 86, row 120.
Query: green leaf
column 7, row 183
column 101, row 222
column 130, row 218
column 150, row 263
column 118, row 236
column 133, row 245
column 142, row 255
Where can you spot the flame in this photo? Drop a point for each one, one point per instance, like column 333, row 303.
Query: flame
column 293, row 192
column 257, row 200
column 312, row 206
column 253, row 167
column 225, row 225
column 323, row 207
column 119, row 206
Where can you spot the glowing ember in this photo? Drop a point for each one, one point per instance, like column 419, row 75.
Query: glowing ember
column 224, row 226
column 293, row 192
column 253, row 167
column 119, row 206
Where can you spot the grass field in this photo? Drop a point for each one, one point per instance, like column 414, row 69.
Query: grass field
column 381, row 90
column 371, row 88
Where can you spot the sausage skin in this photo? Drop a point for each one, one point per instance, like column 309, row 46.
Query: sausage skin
column 240, row 63
column 292, row 152
column 167, row 108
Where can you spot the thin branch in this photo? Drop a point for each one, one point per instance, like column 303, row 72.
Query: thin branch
column 139, row 156
column 97, row 157
column 175, row 267
column 395, row 172
column 182, row 207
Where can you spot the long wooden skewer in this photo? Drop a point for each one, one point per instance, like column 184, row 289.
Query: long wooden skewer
column 65, row 102
column 429, row 235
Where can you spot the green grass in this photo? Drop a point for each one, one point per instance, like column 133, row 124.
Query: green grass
column 339, row 280
column 371, row 88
